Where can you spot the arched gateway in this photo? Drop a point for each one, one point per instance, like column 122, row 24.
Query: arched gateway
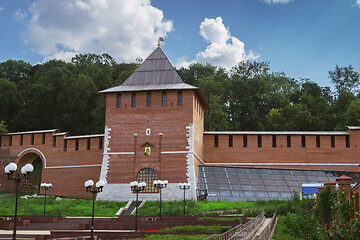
column 34, row 157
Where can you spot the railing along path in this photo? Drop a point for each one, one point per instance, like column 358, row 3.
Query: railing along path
column 241, row 231
column 266, row 232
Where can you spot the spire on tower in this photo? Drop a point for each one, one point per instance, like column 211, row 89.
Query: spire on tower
column 161, row 39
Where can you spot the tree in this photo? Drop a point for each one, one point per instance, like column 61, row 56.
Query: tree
column 10, row 100
column 15, row 70
column 346, row 227
column 3, row 129
column 75, row 103
column 325, row 204
column 345, row 110
column 214, row 84
column 295, row 117
column 253, row 92
column 344, row 78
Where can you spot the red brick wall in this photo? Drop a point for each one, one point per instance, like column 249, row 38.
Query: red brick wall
column 170, row 120
column 324, row 154
column 66, row 181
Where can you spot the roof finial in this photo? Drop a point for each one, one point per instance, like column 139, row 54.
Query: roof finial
column 161, row 39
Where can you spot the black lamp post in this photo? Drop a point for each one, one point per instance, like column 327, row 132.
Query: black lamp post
column 45, row 186
column 160, row 185
column 137, row 187
column 184, row 186
column 25, row 171
column 95, row 190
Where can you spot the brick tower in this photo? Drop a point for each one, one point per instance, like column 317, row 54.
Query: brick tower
column 153, row 130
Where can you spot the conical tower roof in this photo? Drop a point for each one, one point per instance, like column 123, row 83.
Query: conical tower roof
column 155, row 73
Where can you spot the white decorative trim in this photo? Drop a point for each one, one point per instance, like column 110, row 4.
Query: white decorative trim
column 141, row 204
column 119, row 153
column 76, row 166
column 106, row 155
column 186, row 152
column 287, row 164
column 33, row 132
column 175, row 152
column 84, row 136
column 191, row 176
column 122, row 208
column 37, row 150
column 199, row 158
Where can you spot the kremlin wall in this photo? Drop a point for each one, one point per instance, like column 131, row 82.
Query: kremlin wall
column 154, row 129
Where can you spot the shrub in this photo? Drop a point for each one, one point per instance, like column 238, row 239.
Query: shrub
column 221, row 219
column 282, row 232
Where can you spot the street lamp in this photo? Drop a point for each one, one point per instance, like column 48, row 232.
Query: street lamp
column 45, row 186
column 184, row 186
column 137, row 187
column 160, row 185
column 98, row 188
column 25, row 171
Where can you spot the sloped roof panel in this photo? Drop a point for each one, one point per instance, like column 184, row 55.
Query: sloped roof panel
column 155, row 73
column 156, row 69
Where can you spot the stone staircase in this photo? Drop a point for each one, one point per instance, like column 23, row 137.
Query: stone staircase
column 131, row 208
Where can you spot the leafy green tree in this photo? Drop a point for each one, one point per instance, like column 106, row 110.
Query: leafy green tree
column 76, row 101
column 345, row 110
column 325, row 204
column 295, row 117
column 10, row 100
column 302, row 223
column 253, row 92
column 15, row 70
column 3, row 129
column 214, row 84
column 346, row 227
column 344, row 78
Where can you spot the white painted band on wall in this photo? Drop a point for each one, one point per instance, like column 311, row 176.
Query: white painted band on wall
column 120, row 153
column 186, row 152
column 77, row 166
column 286, row 164
column 175, row 152
column 199, row 158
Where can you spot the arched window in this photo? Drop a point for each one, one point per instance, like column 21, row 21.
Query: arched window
column 149, row 176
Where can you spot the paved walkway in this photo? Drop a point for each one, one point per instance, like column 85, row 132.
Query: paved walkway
column 263, row 226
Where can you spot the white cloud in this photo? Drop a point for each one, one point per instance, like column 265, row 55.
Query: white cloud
column 20, row 15
column 277, row 1
column 358, row 3
column 223, row 49
column 124, row 29
column 1, row 8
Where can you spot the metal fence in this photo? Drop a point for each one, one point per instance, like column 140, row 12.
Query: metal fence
column 241, row 231
column 266, row 232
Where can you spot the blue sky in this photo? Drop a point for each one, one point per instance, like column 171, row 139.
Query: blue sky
column 303, row 38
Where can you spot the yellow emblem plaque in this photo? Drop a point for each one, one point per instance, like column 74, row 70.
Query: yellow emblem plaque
column 148, row 151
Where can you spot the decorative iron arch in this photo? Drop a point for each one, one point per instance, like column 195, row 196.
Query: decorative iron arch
column 147, row 175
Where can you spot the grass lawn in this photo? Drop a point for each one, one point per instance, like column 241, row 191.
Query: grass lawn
column 66, row 206
column 83, row 207
column 205, row 208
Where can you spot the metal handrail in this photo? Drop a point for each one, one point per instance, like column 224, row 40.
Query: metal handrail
column 266, row 232
column 240, row 231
